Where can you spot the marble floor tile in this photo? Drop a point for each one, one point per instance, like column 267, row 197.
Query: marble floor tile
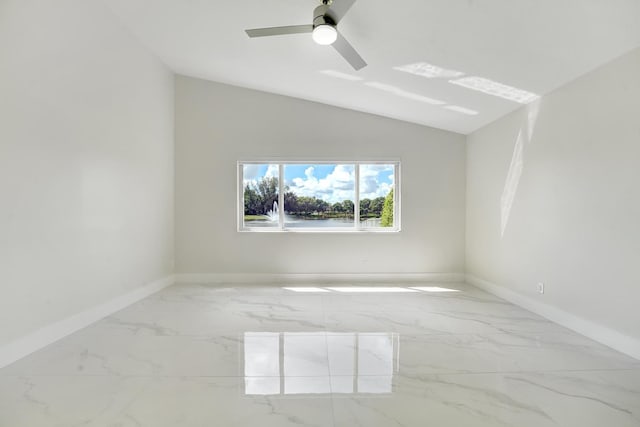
column 277, row 355
column 418, row 301
column 215, row 302
column 469, row 353
column 134, row 321
column 130, row 355
column 198, row 402
column 439, row 322
column 64, row 401
column 568, row 399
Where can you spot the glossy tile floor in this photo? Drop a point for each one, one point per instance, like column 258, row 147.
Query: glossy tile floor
column 268, row 356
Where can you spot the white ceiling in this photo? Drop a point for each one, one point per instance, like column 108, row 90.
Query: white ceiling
column 536, row 45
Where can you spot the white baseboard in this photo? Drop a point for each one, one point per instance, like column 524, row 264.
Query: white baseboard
column 609, row 337
column 304, row 278
column 35, row 341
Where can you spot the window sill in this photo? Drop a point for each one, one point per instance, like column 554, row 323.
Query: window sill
column 319, row 230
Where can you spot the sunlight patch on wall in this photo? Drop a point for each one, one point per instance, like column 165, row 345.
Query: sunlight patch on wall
column 516, row 166
column 532, row 118
column 511, row 184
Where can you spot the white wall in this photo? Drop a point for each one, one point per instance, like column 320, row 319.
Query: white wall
column 217, row 125
column 574, row 221
column 86, row 163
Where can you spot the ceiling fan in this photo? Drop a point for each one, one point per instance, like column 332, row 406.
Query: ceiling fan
column 323, row 30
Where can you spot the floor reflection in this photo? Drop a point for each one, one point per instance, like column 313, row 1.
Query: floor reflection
column 289, row 363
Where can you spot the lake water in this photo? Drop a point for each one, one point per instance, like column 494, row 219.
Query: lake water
column 296, row 222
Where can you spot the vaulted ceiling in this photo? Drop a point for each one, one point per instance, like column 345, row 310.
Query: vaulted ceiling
column 491, row 45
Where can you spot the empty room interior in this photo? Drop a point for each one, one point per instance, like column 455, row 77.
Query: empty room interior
column 330, row 213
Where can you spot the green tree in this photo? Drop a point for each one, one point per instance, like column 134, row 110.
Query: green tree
column 259, row 198
column 364, row 207
column 348, row 207
column 291, row 202
column 321, row 206
column 306, row 204
column 387, row 211
column 252, row 202
column 267, row 189
column 375, row 207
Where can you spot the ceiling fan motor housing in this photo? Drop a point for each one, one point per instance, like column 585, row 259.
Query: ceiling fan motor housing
column 320, row 16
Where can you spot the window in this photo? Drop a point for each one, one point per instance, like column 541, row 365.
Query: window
column 319, row 196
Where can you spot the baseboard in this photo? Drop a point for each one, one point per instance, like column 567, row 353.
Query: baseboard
column 602, row 334
column 41, row 338
column 290, row 278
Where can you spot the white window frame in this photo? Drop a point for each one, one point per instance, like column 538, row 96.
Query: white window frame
column 358, row 228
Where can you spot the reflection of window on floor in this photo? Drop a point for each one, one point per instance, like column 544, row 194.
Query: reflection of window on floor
column 318, row 363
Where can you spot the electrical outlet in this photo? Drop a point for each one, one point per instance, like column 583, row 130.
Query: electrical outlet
column 540, row 287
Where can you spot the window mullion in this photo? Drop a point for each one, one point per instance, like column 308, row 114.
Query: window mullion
column 356, row 208
column 281, row 195
column 240, row 201
column 396, row 196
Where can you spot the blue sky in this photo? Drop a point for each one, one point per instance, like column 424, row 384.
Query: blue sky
column 330, row 182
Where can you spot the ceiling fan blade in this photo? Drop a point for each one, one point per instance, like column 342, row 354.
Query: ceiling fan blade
column 279, row 31
column 339, row 8
column 348, row 52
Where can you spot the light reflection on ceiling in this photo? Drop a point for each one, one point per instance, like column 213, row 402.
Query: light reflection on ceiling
column 339, row 75
column 403, row 93
column 429, row 71
column 462, row 110
column 500, row 90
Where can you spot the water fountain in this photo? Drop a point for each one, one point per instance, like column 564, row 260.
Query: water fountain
column 274, row 213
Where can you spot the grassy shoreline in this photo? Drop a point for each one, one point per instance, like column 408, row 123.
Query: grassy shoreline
column 310, row 217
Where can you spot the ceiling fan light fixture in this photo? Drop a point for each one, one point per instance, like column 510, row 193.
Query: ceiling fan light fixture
column 323, row 29
column 324, row 34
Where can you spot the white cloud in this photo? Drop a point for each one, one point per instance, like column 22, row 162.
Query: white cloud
column 380, row 190
column 335, row 187
column 370, row 186
column 272, row 171
column 251, row 173
column 374, row 169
